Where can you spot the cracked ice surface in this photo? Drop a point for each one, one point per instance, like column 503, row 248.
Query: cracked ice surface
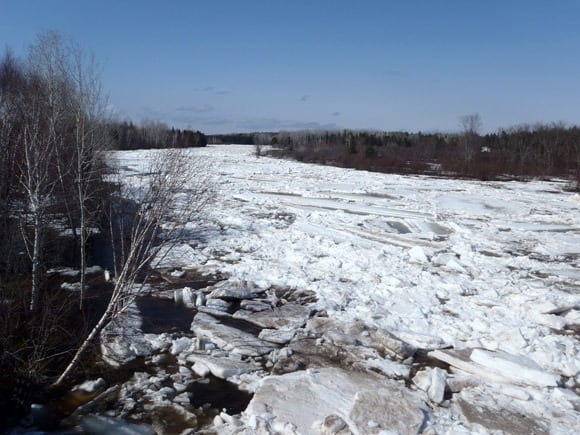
column 436, row 262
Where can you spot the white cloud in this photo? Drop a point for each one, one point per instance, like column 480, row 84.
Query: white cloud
column 196, row 108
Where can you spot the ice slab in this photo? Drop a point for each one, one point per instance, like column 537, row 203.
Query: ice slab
column 229, row 338
column 498, row 367
column 307, row 401
column 223, row 367
column 288, row 316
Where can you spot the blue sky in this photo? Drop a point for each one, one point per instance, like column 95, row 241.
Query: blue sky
column 223, row 66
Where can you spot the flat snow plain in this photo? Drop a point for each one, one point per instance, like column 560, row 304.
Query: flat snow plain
column 438, row 263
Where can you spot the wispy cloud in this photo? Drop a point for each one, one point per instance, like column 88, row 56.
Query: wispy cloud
column 184, row 117
column 211, row 90
column 196, row 108
column 200, row 121
column 213, row 122
column 274, row 124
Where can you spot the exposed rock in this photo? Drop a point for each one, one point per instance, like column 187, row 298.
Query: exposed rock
column 289, row 316
column 336, row 401
column 229, row 338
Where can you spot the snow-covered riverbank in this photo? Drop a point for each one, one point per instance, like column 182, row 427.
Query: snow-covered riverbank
column 459, row 298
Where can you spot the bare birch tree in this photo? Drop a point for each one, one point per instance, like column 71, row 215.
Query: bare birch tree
column 470, row 125
column 90, row 139
column 74, row 100
column 42, row 109
column 37, row 183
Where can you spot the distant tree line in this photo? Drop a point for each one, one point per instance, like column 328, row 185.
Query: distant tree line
column 540, row 150
column 242, row 138
column 150, row 134
column 551, row 150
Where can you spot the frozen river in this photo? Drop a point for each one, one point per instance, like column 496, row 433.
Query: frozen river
column 480, row 279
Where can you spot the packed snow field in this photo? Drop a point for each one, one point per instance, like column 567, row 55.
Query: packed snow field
column 378, row 302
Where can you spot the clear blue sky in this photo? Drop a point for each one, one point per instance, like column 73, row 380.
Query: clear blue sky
column 222, row 66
